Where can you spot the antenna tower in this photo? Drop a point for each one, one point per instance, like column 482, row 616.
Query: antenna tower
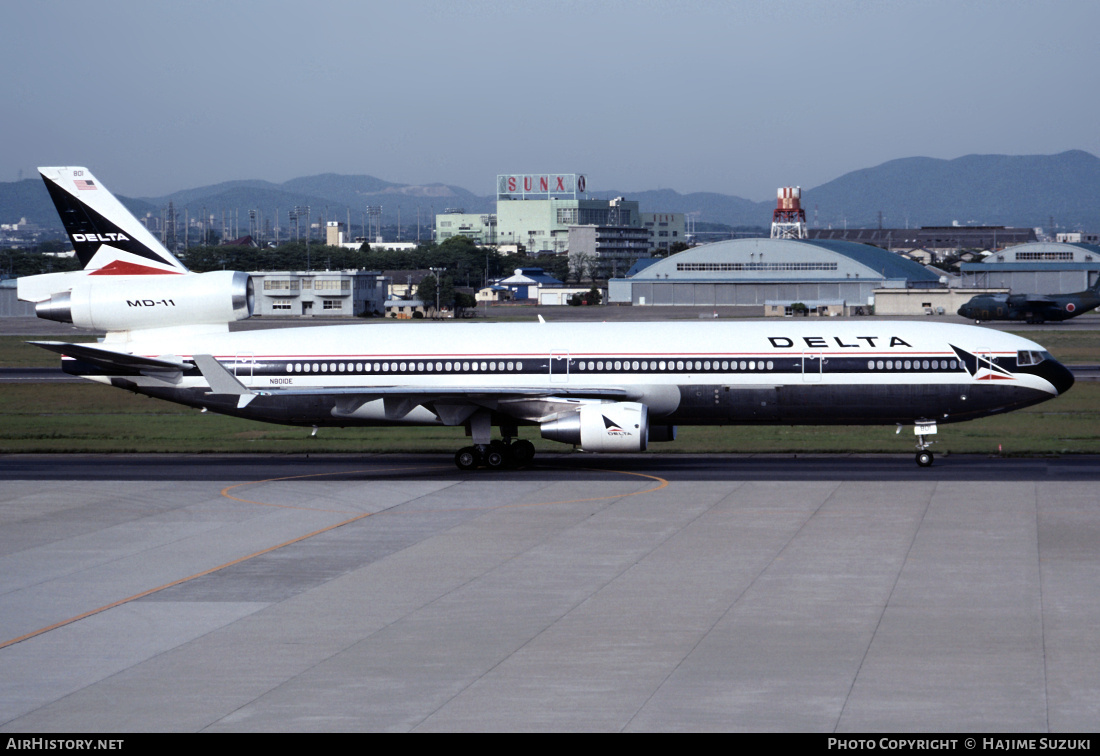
column 789, row 219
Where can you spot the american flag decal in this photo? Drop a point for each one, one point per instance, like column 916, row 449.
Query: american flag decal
column 84, row 184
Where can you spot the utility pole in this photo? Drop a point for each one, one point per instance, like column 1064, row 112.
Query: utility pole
column 436, row 272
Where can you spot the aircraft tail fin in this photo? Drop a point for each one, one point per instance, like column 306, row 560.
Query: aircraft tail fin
column 107, row 238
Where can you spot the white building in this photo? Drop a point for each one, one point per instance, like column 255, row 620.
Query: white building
column 319, row 293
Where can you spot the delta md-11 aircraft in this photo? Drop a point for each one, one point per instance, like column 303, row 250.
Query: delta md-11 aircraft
column 602, row 387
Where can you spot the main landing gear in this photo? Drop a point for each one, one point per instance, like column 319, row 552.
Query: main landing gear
column 496, row 455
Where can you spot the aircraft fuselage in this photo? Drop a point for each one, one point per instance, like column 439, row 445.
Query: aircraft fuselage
column 686, row 373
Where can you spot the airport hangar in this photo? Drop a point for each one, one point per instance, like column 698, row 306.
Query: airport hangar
column 1036, row 268
column 825, row 275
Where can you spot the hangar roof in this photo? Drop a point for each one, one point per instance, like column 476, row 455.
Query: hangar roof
column 785, row 260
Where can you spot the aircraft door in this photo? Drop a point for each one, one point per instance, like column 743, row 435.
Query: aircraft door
column 981, row 374
column 812, row 366
column 559, row 366
column 244, row 365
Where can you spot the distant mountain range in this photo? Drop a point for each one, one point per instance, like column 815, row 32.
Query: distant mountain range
column 1027, row 190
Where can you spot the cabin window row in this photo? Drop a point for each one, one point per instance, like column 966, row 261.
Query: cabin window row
column 674, row 365
column 404, row 367
column 912, row 364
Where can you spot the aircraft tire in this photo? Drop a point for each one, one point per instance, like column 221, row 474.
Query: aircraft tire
column 467, row 458
column 925, row 458
column 522, row 452
column 496, row 457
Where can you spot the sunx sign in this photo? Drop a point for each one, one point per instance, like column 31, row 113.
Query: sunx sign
column 539, row 186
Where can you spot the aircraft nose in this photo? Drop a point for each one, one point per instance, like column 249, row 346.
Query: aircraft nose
column 1058, row 374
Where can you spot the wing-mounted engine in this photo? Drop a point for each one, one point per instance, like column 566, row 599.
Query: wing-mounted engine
column 612, row 427
column 130, row 303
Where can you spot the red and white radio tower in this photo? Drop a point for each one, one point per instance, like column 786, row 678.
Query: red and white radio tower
column 789, row 219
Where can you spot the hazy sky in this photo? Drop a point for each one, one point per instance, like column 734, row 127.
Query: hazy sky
column 733, row 97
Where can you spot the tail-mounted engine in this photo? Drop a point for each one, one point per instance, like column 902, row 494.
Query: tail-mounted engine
column 125, row 303
column 617, row 427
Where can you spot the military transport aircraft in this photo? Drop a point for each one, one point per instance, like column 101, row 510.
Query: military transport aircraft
column 1032, row 308
column 603, row 387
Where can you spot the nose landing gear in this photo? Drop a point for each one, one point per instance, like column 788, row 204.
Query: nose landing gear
column 923, row 429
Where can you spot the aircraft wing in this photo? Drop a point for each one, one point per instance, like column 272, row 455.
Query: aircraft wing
column 453, row 405
column 399, row 400
column 1040, row 299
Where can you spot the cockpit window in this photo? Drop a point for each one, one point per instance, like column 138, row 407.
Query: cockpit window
column 1027, row 357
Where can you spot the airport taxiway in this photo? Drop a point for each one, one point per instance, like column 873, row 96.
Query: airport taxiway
column 660, row 592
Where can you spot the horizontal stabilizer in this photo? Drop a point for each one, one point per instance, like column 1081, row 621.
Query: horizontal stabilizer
column 108, row 359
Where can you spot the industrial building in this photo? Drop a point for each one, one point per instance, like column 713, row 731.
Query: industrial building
column 537, row 211
column 1037, row 268
column 665, row 229
column 603, row 251
column 319, row 293
column 481, row 228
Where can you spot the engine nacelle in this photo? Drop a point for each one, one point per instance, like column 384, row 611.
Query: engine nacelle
column 125, row 303
column 618, row 427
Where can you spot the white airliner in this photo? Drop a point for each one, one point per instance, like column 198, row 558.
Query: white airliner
column 603, row 387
